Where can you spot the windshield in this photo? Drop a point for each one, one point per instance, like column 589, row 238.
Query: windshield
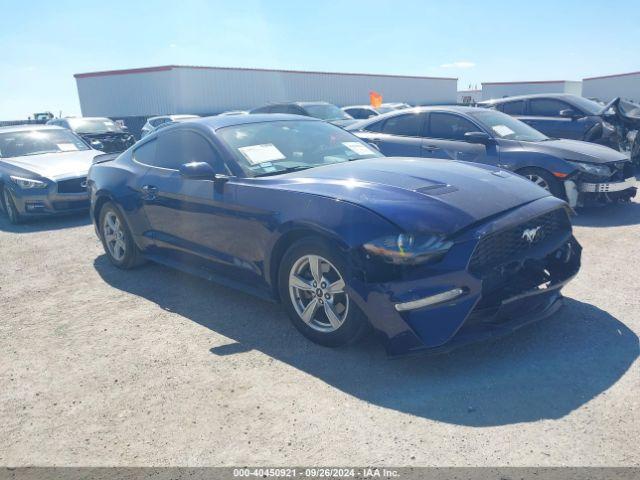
column 270, row 148
column 588, row 106
column 326, row 111
column 507, row 127
column 34, row 142
column 93, row 125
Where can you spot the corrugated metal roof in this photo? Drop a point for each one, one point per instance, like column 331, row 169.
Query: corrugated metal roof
column 613, row 76
column 528, row 82
column 196, row 67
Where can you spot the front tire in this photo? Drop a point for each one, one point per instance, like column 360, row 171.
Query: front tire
column 312, row 289
column 117, row 239
column 10, row 207
column 545, row 180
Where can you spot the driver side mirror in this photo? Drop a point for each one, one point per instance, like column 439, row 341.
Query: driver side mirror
column 568, row 113
column 197, row 171
column 478, row 137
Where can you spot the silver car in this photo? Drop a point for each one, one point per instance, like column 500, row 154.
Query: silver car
column 43, row 171
column 153, row 123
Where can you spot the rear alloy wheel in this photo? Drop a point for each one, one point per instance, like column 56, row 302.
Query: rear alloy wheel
column 544, row 179
column 313, row 290
column 117, row 239
column 10, row 207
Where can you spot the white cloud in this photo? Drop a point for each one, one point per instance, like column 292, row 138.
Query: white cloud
column 458, row 65
column 172, row 45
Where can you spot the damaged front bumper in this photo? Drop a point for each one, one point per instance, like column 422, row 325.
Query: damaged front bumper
column 487, row 285
column 580, row 191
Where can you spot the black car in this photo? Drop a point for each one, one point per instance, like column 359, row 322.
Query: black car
column 579, row 172
column 100, row 133
column 562, row 116
column 322, row 110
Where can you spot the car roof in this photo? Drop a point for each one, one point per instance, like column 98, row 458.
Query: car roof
column 436, row 108
column 495, row 101
column 359, row 106
column 102, row 119
column 27, row 127
column 217, row 121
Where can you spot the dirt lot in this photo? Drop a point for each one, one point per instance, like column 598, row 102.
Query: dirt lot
column 152, row 367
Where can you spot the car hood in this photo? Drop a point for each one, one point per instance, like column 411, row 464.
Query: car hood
column 416, row 194
column 576, row 151
column 55, row 165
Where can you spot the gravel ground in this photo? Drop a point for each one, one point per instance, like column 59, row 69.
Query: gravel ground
column 100, row 367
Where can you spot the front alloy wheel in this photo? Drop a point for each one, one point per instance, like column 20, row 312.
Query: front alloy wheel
column 538, row 180
column 317, row 293
column 312, row 285
column 10, row 207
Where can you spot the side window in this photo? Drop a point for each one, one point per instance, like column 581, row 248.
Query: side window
column 178, row 147
column 145, row 153
column 408, row 125
column 280, row 109
column 547, row 107
column 513, row 108
column 449, row 126
column 265, row 109
column 375, row 127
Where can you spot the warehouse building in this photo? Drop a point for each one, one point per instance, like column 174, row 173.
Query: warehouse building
column 469, row 97
column 625, row 85
column 178, row 89
column 508, row 89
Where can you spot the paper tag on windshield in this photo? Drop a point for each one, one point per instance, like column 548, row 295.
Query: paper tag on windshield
column 502, row 130
column 266, row 152
column 358, row 148
column 67, row 147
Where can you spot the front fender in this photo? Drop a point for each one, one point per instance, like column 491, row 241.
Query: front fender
column 344, row 224
column 517, row 160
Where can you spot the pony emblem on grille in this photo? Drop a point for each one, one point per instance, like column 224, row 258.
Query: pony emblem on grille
column 531, row 234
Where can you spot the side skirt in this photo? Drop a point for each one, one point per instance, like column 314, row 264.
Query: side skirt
column 210, row 276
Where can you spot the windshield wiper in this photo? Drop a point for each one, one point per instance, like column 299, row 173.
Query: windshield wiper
column 297, row 168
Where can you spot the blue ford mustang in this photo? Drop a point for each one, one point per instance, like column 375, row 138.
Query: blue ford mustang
column 431, row 254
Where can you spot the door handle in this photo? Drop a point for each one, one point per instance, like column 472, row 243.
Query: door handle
column 430, row 148
column 149, row 192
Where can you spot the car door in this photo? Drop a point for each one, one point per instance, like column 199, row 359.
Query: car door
column 192, row 218
column 445, row 138
column 543, row 114
column 398, row 135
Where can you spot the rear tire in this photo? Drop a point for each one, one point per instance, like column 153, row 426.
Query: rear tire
column 316, row 292
column 544, row 179
column 10, row 207
column 117, row 239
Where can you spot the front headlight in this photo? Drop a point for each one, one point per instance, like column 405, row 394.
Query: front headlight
column 409, row 249
column 97, row 144
column 592, row 168
column 26, row 183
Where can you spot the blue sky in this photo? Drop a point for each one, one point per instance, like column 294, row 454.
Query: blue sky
column 45, row 42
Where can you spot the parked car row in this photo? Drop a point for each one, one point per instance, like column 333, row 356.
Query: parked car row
column 569, row 116
column 579, row 172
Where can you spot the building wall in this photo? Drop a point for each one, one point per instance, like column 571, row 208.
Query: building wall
column 607, row 88
column 469, row 97
column 202, row 90
column 509, row 89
